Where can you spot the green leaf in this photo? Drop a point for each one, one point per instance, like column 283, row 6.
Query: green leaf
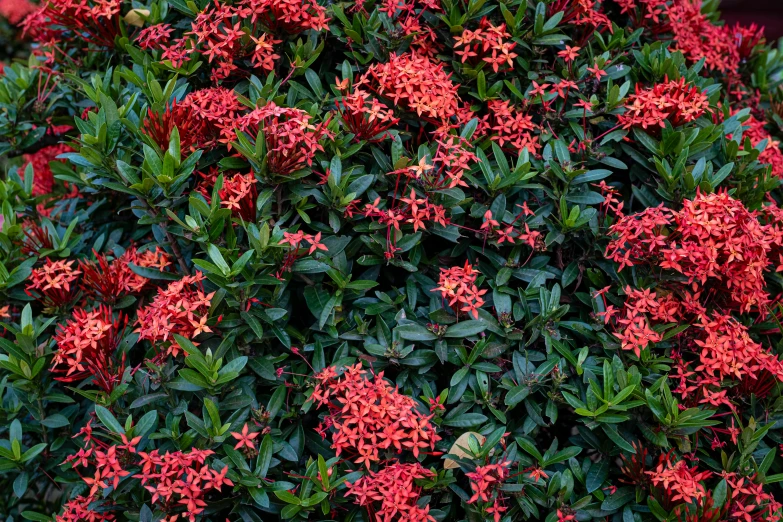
column 466, row 328
column 517, row 394
column 108, row 420
column 414, row 332
column 620, row 498
column 597, row 474
column 466, row 420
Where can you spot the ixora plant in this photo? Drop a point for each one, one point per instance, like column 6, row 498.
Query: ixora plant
column 390, row 260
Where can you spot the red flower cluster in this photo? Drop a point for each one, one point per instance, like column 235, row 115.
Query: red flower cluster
column 368, row 416
column 644, row 13
column 719, row 245
column 418, row 211
column 489, row 43
column 43, row 178
column 54, row 284
column 635, row 331
column 192, row 131
column 213, row 113
column 180, row 479
column 221, row 37
column 457, row 286
column 154, row 36
column 15, row 10
column 94, row 21
column 727, row 351
column 749, row 501
column 291, row 138
column 288, row 16
column 581, row 12
column 394, row 488
column 485, row 482
column 203, row 119
column 83, row 509
column 181, row 308
column 416, row 84
column 366, row 117
column 296, row 242
column 86, row 347
column 237, row 194
column 723, row 250
column 176, row 480
column 229, row 34
column 722, row 47
column 453, row 158
column 511, row 127
column 771, row 154
column 675, row 101
column 109, row 281
column 697, row 37
column 679, row 481
column 509, row 233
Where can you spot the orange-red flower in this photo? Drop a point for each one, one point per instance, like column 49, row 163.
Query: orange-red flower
column 368, row 415
column 54, row 284
column 416, row 84
column 391, row 492
column 86, row 347
column 672, row 101
column 245, row 438
column 457, row 287
column 180, row 308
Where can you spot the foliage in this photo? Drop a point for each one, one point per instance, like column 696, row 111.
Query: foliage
column 391, row 260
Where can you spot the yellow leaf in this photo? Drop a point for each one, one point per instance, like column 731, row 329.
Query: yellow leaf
column 462, row 442
column 137, row 17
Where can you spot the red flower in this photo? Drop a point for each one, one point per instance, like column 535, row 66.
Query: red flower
column 486, row 482
column 292, row 140
column 54, row 284
column 109, row 281
column 488, row 43
column 239, row 195
column 154, row 36
column 43, row 178
column 15, row 10
column 84, row 509
column 95, row 21
column 457, row 286
column 366, row 117
column 416, row 84
column 192, row 131
column 679, row 481
column 672, row 101
column 391, row 492
column 86, row 347
column 245, row 438
column 369, row 415
column 180, row 308
column 289, row 16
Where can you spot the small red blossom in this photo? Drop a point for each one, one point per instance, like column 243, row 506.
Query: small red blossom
column 245, row 438
column 368, row 416
column 86, row 347
column 391, row 493
column 180, row 308
column 54, row 284
column 457, row 287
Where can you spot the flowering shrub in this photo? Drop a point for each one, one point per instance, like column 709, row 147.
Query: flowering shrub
column 390, row 260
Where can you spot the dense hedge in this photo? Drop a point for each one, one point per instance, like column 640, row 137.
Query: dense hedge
column 389, row 260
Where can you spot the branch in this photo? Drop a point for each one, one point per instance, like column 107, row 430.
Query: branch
column 170, row 239
column 175, row 248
